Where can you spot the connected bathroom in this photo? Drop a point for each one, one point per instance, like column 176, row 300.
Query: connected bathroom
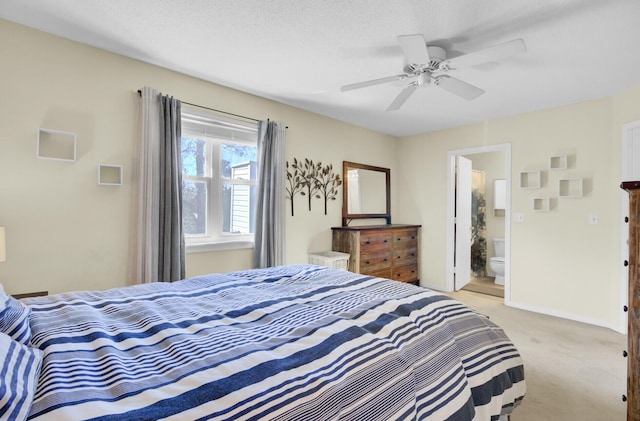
column 488, row 205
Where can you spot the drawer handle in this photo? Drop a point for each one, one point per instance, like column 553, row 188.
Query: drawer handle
column 399, row 257
column 413, row 255
column 624, row 354
column 626, row 219
column 385, row 241
column 399, row 239
column 626, row 263
column 367, row 262
column 367, row 242
column 413, row 238
column 385, row 259
column 625, row 308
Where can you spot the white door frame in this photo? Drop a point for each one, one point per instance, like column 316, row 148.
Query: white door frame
column 630, row 172
column 449, row 260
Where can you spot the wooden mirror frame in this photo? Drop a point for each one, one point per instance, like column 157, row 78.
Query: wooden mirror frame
column 346, row 216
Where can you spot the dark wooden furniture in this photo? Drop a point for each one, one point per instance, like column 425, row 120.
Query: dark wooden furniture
column 30, row 294
column 387, row 251
column 633, row 307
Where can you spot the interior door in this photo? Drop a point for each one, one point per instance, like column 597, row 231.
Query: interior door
column 462, row 260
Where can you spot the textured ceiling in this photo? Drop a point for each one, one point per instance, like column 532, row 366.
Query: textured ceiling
column 300, row 52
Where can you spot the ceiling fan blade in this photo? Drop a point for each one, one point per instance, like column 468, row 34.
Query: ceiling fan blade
column 414, row 48
column 458, row 87
column 401, row 98
column 488, row 54
column 372, row 82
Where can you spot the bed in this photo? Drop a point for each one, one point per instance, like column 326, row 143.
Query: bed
column 296, row 342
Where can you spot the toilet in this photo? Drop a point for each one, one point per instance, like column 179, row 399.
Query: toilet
column 497, row 263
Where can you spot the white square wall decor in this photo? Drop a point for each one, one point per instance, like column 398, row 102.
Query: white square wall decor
column 570, row 187
column 109, row 175
column 56, row 145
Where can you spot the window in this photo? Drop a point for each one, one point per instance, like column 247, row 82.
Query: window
column 219, row 181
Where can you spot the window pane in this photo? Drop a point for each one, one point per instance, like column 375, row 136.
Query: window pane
column 238, row 203
column 238, row 161
column 194, row 207
column 193, row 156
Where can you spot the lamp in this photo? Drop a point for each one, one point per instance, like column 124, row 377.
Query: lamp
column 3, row 246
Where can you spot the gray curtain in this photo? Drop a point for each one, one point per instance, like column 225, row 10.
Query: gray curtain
column 269, row 249
column 157, row 249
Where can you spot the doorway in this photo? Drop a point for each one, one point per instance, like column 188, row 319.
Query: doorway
column 474, row 220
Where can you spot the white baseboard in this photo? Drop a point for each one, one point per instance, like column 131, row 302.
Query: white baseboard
column 547, row 312
column 437, row 288
column 568, row 316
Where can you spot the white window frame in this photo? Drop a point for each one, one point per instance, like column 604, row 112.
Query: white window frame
column 217, row 131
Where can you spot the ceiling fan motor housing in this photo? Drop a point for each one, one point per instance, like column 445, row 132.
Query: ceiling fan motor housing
column 436, row 56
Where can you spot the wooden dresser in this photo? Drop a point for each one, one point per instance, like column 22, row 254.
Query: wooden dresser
column 633, row 308
column 387, row 251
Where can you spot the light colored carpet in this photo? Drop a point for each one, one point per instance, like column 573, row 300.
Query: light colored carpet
column 574, row 371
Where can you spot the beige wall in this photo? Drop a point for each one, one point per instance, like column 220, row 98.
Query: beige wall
column 560, row 263
column 64, row 232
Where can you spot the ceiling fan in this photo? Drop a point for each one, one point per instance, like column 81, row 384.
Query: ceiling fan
column 428, row 65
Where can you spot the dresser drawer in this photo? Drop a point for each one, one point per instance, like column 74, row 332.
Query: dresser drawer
column 403, row 257
column 386, row 273
column 373, row 262
column 407, row 273
column 372, row 241
column 405, row 239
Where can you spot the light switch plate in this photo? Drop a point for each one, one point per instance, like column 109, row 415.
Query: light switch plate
column 518, row 217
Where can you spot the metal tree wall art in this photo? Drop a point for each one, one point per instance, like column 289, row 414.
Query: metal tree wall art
column 308, row 173
column 328, row 184
column 311, row 180
column 294, row 182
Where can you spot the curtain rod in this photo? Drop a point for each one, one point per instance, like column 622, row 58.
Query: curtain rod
column 213, row 109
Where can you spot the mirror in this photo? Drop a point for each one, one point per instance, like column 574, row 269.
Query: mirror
column 366, row 192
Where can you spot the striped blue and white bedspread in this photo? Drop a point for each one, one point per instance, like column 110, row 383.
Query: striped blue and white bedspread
column 294, row 342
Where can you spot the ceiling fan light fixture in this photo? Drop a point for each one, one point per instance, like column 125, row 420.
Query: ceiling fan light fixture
column 424, row 78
